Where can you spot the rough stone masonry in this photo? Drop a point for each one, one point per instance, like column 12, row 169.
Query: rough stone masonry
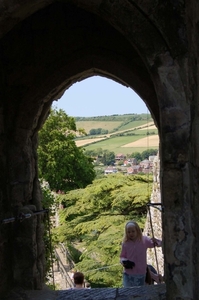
column 149, row 46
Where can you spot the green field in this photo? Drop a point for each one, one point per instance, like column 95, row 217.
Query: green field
column 134, row 124
column 111, row 126
column 108, row 125
column 150, row 131
column 115, row 144
column 117, row 125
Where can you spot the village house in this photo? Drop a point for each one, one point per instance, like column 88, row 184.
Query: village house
column 129, row 167
column 110, row 170
column 152, row 157
column 120, row 156
column 134, row 169
column 130, row 162
column 145, row 164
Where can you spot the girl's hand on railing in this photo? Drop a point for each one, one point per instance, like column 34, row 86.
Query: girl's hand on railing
column 157, row 243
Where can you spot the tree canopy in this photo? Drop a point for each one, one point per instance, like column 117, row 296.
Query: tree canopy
column 144, row 155
column 93, row 219
column 98, row 131
column 61, row 163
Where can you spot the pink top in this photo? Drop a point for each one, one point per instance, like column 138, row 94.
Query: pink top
column 136, row 252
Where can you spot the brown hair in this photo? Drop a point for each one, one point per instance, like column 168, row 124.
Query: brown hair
column 78, row 278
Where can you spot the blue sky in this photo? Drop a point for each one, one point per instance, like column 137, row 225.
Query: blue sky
column 99, row 96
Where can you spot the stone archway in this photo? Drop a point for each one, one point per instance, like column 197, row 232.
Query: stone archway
column 152, row 48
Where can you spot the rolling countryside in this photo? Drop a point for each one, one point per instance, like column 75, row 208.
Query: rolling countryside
column 125, row 133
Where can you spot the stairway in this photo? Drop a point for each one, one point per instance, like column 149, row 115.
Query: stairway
column 62, row 269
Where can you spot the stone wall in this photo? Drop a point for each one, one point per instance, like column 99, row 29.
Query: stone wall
column 153, row 226
column 149, row 46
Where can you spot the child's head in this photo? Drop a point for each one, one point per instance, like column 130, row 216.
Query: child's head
column 78, row 278
column 132, row 231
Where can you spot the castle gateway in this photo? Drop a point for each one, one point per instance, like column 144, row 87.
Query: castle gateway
column 150, row 46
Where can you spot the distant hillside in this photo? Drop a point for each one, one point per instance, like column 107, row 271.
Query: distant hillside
column 114, row 117
column 125, row 133
column 112, row 123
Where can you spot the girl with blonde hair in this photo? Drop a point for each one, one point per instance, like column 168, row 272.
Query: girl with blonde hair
column 138, row 230
column 133, row 254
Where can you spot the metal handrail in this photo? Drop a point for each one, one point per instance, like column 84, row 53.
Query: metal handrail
column 21, row 216
column 67, row 254
column 64, row 272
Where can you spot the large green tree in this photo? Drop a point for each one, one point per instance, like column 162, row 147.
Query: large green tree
column 93, row 219
column 61, row 163
column 108, row 157
column 149, row 152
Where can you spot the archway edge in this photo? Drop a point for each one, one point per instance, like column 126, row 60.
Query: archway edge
column 94, row 66
column 21, row 73
column 154, row 18
column 45, row 65
column 145, row 36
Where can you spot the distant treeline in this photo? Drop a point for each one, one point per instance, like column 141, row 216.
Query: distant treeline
column 125, row 117
column 98, row 131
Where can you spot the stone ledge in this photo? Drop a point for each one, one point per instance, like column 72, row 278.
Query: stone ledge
column 149, row 292
column 152, row 292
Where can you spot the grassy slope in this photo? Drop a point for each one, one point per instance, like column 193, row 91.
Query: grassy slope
column 116, row 143
column 111, row 126
column 88, row 125
column 133, row 124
